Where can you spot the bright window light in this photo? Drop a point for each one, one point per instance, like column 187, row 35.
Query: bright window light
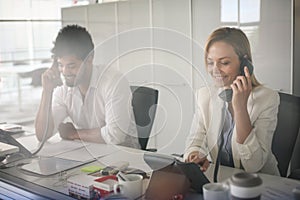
column 249, row 11
column 229, row 10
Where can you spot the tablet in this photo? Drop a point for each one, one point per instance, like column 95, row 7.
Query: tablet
column 47, row 166
column 192, row 172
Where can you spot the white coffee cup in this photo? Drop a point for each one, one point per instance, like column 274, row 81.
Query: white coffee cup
column 246, row 186
column 215, row 191
column 131, row 188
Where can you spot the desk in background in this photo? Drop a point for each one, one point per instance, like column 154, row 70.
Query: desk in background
column 15, row 72
column 16, row 182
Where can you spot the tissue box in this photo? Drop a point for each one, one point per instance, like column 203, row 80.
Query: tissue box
column 81, row 186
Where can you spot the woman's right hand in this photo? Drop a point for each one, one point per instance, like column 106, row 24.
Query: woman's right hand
column 198, row 158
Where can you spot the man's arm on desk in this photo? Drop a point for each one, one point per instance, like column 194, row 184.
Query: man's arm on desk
column 69, row 132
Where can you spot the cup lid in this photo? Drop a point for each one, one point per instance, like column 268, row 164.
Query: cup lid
column 245, row 179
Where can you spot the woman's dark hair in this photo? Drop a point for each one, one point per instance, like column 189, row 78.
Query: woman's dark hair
column 73, row 40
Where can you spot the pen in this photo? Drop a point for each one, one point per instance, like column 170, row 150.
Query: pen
column 122, row 176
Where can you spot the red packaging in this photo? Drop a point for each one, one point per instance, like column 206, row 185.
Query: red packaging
column 104, row 186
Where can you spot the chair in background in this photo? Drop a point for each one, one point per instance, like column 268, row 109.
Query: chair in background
column 20, row 62
column 295, row 160
column 144, row 101
column 35, row 75
column 286, row 132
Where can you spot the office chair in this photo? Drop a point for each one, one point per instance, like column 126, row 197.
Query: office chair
column 286, row 132
column 144, row 101
column 295, row 161
column 35, row 75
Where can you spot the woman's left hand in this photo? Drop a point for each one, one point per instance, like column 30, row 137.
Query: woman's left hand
column 241, row 87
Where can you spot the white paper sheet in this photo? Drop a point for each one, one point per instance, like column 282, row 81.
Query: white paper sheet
column 89, row 152
column 279, row 190
column 54, row 146
column 133, row 156
column 55, row 149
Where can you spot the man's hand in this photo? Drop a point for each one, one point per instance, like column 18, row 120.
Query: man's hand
column 51, row 77
column 68, row 131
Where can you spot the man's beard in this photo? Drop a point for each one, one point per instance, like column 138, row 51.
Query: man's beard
column 72, row 82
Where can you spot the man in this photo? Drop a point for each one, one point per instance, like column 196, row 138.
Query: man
column 97, row 100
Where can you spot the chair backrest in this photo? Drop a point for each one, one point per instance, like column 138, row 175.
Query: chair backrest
column 36, row 76
column 144, row 101
column 286, row 132
column 295, row 160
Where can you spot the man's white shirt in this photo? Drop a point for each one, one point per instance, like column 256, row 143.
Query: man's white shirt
column 106, row 105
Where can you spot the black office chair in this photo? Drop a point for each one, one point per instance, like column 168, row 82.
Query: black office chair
column 286, row 132
column 295, row 160
column 35, row 75
column 144, row 101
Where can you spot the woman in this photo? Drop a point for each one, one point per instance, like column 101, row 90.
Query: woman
column 246, row 123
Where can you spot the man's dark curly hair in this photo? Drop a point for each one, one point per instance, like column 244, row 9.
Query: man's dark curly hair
column 73, row 40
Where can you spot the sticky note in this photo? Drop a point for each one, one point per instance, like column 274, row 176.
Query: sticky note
column 91, row 168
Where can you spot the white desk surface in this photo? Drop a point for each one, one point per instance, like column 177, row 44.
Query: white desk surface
column 275, row 187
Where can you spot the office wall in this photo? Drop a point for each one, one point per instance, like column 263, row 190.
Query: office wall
column 273, row 53
column 159, row 43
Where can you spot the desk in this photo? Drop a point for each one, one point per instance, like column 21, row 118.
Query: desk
column 55, row 187
column 275, row 187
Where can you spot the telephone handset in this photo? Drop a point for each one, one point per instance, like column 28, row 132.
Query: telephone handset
column 58, row 80
column 226, row 94
column 248, row 64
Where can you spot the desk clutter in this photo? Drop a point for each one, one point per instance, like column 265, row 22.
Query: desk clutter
column 170, row 179
column 11, row 128
column 99, row 183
